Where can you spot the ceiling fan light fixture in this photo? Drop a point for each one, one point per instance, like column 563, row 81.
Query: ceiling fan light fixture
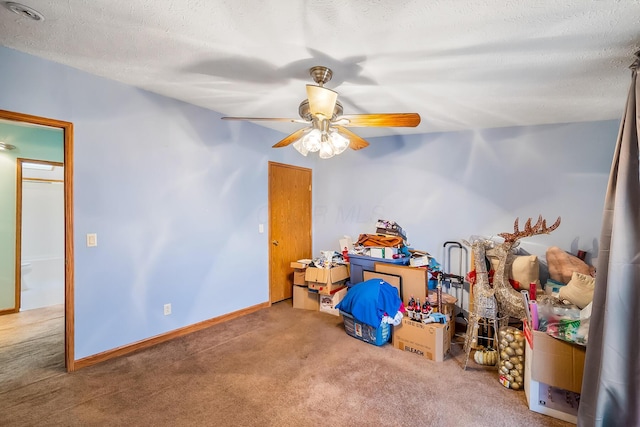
column 326, row 150
column 322, row 101
column 327, row 130
column 339, row 142
column 300, row 147
column 311, row 141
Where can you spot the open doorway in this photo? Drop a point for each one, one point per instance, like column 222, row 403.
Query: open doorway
column 67, row 137
column 40, row 233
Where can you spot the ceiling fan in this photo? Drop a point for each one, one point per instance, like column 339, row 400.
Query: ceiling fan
column 327, row 130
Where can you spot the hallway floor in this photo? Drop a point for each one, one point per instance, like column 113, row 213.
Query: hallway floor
column 31, row 346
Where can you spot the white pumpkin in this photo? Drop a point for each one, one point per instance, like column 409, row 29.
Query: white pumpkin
column 487, row 356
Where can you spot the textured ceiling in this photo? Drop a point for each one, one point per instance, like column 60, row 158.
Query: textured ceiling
column 459, row 64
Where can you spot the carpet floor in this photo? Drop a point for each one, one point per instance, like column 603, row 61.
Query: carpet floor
column 279, row 366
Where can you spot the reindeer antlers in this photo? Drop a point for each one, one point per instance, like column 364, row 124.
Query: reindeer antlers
column 540, row 227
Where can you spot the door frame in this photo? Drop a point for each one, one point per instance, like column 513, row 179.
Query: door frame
column 69, row 312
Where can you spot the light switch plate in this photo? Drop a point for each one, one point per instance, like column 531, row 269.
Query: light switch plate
column 92, row 240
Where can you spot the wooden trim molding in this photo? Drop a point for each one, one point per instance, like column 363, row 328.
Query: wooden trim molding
column 149, row 342
column 18, row 259
column 18, row 251
column 69, row 315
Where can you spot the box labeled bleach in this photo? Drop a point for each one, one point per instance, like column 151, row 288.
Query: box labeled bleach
column 431, row 341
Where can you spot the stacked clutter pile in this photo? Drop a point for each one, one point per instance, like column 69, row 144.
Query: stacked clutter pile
column 389, row 242
column 373, row 302
column 320, row 283
column 564, row 310
column 556, row 332
column 549, row 369
column 388, row 245
column 372, row 248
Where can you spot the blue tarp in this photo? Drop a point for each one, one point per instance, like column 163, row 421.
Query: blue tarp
column 369, row 301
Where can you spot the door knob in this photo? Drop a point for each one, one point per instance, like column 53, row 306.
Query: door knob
column 275, row 242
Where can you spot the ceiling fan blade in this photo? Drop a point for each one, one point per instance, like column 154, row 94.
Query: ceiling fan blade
column 266, row 119
column 355, row 142
column 291, row 138
column 321, row 100
column 383, row 120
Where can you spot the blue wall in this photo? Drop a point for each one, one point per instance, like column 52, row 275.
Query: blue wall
column 450, row 186
column 175, row 195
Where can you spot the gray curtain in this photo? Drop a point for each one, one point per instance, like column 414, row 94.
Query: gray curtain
column 611, row 385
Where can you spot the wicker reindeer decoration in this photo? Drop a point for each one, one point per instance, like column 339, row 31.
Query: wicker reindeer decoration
column 484, row 300
column 500, row 299
column 510, row 301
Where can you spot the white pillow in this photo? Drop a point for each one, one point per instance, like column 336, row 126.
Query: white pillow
column 524, row 270
column 579, row 290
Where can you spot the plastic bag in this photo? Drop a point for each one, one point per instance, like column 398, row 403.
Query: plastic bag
column 565, row 322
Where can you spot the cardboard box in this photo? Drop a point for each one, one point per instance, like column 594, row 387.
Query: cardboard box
column 326, row 280
column 326, row 288
column 557, row 363
column 546, row 382
column 431, row 341
column 450, row 310
column 301, row 264
column 298, row 278
column 328, row 302
column 299, row 268
column 304, row 299
column 393, row 280
column 415, row 281
column 419, row 261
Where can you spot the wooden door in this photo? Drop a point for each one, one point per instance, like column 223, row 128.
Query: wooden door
column 289, row 225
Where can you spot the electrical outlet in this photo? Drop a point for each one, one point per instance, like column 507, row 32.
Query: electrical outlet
column 167, row 309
